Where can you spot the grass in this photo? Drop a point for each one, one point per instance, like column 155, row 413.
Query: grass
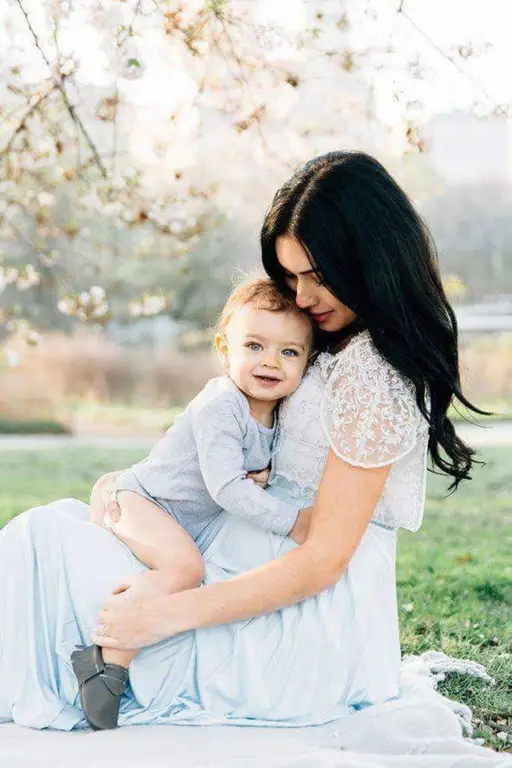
column 111, row 418
column 454, row 575
column 10, row 426
column 499, row 407
column 96, row 417
column 455, row 587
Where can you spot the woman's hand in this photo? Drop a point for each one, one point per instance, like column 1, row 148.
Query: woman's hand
column 132, row 618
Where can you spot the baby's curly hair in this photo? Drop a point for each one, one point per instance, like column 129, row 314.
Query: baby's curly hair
column 260, row 291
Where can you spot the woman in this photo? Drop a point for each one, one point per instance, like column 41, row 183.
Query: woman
column 284, row 634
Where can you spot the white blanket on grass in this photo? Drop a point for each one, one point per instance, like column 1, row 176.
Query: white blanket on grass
column 420, row 729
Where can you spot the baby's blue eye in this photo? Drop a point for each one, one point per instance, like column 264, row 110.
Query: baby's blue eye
column 293, row 353
column 254, row 346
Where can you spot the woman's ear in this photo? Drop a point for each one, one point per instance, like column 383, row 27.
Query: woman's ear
column 221, row 345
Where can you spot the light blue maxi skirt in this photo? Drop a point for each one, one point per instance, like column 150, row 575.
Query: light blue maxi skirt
column 307, row 664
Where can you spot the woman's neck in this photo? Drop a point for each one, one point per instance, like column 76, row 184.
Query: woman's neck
column 338, row 340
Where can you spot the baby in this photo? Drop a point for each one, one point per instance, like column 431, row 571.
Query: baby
column 168, row 500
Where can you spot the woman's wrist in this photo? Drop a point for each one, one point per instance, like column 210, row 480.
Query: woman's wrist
column 245, row 595
column 197, row 608
column 175, row 612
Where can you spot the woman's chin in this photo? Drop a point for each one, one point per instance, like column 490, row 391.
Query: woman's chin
column 334, row 323
column 331, row 324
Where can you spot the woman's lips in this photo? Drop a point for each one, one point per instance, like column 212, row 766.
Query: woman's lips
column 319, row 318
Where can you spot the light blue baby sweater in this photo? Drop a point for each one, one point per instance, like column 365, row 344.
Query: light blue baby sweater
column 200, row 466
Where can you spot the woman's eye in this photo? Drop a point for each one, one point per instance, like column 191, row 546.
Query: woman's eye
column 290, row 352
column 318, row 280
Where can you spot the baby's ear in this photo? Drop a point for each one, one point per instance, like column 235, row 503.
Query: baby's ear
column 221, row 345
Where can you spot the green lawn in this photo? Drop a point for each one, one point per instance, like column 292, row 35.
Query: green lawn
column 454, row 575
column 499, row 407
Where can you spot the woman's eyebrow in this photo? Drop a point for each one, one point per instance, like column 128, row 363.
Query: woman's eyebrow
column 293, row 274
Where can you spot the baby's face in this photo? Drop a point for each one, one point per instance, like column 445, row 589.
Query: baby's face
column 267, row 351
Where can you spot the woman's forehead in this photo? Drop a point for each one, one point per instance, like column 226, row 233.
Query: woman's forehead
column 291, row 255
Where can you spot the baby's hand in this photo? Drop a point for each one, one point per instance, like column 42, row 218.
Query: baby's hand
column 260, row 478
column 112, row 515
column 103, row 504
column 111, row 508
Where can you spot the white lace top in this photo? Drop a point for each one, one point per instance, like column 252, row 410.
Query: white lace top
column 356, row 403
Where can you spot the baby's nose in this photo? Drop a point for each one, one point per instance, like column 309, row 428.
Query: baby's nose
column 271, row 360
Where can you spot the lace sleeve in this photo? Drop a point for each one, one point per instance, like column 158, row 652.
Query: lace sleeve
column 369, row 410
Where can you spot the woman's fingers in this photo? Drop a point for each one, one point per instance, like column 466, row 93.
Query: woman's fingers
column 101, row 634
column 102, row 618
column 131, row 618
column 105, row 641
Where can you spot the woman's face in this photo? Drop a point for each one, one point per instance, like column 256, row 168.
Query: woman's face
column 325, row 309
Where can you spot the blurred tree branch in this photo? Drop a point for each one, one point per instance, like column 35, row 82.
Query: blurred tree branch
column 120, row 161
column 36, row 103
column 59, row 80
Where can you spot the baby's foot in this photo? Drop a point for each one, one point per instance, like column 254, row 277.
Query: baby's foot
column 100, row 686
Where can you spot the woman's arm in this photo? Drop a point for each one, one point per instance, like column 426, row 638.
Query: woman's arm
column 344, row 504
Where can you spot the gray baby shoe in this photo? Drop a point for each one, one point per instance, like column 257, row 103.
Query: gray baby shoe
column 100, row 686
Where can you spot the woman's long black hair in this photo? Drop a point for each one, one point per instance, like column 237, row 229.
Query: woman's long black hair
column 375, row 254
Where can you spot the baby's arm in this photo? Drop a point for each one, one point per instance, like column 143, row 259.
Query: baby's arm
column 219, row 434
column 300, row 530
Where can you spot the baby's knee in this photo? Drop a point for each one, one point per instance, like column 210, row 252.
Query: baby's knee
column 193, row 570
column 186, row 573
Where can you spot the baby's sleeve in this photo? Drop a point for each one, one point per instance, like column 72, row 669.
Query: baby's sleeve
column 369, row 410
column 219, row 430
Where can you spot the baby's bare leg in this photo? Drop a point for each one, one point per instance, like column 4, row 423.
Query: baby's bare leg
column 163, row 545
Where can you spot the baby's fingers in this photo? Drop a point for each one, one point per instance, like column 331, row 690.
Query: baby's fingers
column 113, row 510
column 260, row 478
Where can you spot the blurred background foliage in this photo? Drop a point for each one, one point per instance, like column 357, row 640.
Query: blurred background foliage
column 142, row 141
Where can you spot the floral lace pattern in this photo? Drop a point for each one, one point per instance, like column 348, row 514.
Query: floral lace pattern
column 356, row 403
column 369, row 409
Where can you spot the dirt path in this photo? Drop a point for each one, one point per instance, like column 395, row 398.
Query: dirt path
column 500, row 433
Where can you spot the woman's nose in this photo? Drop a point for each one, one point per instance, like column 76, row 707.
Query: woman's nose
column 303, row 297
